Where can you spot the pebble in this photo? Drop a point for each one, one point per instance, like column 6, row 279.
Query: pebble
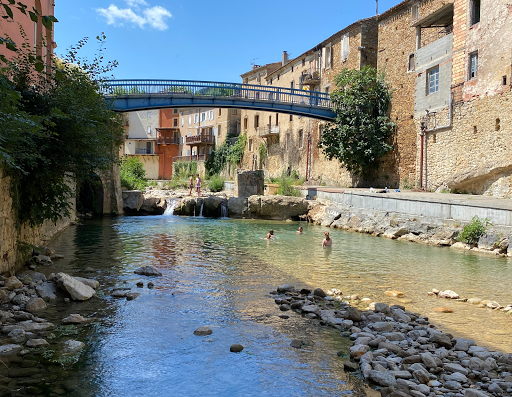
column 236, row 348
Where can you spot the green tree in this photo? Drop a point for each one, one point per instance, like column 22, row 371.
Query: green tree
column 133, row 175
column 361, row 133
column 58, row 128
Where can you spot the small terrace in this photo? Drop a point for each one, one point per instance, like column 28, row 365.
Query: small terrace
column 194, row 157
column 268, row 130
column 200, row 139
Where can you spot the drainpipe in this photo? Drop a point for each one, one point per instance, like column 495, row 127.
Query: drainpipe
column 422, row 138
column 307, row 158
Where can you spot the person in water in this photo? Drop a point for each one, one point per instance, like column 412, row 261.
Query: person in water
column 300, row 231
column 327, row 241
column 198, row 186
column 268, row 238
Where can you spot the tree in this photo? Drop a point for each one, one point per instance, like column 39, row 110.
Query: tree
column 360, row 135
column 58, row 127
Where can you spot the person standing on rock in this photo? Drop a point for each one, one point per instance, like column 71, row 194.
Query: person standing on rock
column 327, row 241
column 191, row 184
column 198, row 186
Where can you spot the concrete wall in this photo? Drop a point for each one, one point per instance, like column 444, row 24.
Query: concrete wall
column 454, row 209
column 438, row 53
column 249, row 183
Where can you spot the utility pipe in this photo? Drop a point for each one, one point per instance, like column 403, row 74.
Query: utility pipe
column 422, row 137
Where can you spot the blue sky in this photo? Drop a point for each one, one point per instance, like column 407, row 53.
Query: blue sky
column 202, row 40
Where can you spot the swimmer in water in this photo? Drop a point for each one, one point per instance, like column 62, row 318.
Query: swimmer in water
column 327, row 241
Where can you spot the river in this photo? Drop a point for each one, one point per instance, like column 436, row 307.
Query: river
column 219, row 273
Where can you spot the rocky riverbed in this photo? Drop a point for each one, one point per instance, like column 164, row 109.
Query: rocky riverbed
column 400, row 352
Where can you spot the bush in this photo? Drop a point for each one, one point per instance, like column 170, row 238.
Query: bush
column 133, row 175
column 216, row 183
column 473, row 230
column 183, row 169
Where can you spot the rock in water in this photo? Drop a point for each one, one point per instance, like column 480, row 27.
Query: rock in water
column 78, row 291
column 72, row 346
column 203, row 331
column 236, row 348
column 285, row 288
column 75, row 319
column 35, row 305
column 89, row 282
column 448, row 294
column 147, row 271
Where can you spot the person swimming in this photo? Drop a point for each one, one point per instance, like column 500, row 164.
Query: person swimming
column 300, row 231
column 327, row 240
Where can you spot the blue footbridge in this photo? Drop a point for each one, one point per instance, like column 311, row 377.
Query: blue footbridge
column 131, row 95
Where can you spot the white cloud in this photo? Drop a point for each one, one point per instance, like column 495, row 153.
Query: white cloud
column 135, row 3
column 154, row 17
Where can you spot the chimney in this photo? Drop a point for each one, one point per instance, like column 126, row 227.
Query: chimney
column 285, row 58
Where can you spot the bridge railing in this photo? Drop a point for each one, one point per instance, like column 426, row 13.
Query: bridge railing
column 186, row 88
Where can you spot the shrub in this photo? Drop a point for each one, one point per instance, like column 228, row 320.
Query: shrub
column 473, row 230
column 216, row 183
column 133, row 175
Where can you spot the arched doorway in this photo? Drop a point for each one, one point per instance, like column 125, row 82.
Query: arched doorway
column 89, row 201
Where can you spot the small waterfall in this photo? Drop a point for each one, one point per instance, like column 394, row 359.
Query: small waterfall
column 201, row 211
column 223, row 211
column 171, row 205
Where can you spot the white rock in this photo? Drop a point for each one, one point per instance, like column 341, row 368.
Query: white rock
column 78, row 290
column 89, row 282
column 448, row 294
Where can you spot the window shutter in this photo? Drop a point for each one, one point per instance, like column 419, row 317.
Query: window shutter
column 323, row 58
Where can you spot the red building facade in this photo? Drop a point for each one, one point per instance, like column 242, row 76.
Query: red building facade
column 168, row 141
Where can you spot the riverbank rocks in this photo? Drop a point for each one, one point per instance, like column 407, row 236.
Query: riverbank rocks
column 203, row 331
column 402, row 353
column 277, row 207
column 132, row 201
column 76, row 289
column 72, row 346
column 35, row 304
column 394, row 294
column 448, row 294
column 147, row 271
column 76, row 319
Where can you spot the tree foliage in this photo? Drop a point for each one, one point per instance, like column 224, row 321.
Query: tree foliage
column 54, row 126
column 133, row 174
column 226, row 154
column 361, row 133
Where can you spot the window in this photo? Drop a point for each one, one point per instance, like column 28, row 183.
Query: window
column 504, row 80
column 301, row 138
column 303, row 61
column 149, row 115
column 175, row 111
column 196, row 118
column 292, row 85
column 250, row 145
column 149, row 130
column 326, row 89
column 211, row 115
column 412, row 63
column 189, row 120
column 175, row 122
column 269, row 120
column 291, row 117
column 328, row 56
column 203, row 116
column 433, row 80
column 344, row 47
column 234, row 112
column 473, row 65
column 256, row 121
column 219, row 131
column 245, row 123
column 415, row 12
column 220, row 112
column 497, row 126
column 182, row 121
column 475, row 11
column 277, row 118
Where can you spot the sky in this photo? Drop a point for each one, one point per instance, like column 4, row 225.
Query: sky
column 200, row 39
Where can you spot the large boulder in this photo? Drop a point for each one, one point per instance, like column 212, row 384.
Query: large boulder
column 186, row 207
column 212, row 206
column 277, row 207
column 152, row 206
column 76, row 289
column 237, row 207
column 47, row 291
column 132, row 200
column 331, row 214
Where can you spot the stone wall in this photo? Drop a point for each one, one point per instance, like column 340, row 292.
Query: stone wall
column 14, row 242
column 248, row 183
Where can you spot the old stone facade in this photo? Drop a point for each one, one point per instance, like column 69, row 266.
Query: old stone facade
column 291, row 142
column 467, row 127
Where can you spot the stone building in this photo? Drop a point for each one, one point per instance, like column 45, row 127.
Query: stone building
column 202, row 129
column 291, row 142
column 467, row 131
column 454, row 59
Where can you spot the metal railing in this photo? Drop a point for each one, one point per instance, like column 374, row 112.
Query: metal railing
column 186, row 88
column 194, row 157
column 168, row 140
column 200, row 139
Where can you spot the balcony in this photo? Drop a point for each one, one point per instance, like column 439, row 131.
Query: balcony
column 200, row 139
column 311, row 79
column 168, row 140
column 268, row 130
column 194, row 157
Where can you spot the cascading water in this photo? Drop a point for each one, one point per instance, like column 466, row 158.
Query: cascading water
column 201, row 211
column 171, row 205
column 223, row 211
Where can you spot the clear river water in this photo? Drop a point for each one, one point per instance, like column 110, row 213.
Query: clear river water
column 219, row 273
